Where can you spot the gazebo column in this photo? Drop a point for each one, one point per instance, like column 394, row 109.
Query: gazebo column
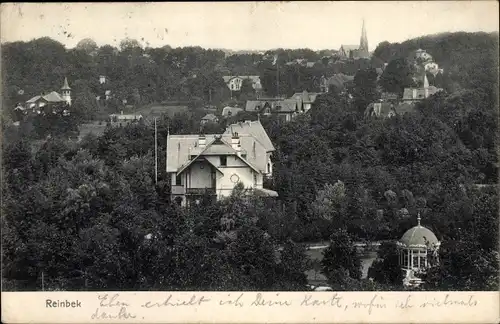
column 411, row 258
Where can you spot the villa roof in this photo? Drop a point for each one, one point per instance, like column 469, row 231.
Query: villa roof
column 180, row 149
column 253, row 128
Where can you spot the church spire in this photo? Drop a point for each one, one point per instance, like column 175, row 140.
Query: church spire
column 363, row 44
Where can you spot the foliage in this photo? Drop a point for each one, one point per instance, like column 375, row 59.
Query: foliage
column 340, row 261
column 93, row 205
column 386, row 268
column 397, row 76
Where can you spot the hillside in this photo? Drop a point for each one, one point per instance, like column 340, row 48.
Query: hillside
column 470, row 60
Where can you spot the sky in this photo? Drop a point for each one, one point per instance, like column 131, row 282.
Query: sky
column 244, row 25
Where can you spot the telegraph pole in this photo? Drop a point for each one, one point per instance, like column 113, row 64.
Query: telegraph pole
column 156, row 154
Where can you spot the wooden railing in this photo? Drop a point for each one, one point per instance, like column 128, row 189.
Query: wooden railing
column 200, row 191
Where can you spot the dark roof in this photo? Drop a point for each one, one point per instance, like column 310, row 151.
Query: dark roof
column 253, row 105
column 305, row 96
column 287, row 105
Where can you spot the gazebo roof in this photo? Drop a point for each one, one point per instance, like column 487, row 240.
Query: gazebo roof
column 418, row 236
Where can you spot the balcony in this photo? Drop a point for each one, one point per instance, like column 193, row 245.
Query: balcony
column 200, row 191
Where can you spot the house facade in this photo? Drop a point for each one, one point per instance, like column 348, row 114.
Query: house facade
column 40, row 103
column 212, row 165
column 234, row 83
column 305, row 100
column 285, row 109
column 412, row 95
column 338, row 81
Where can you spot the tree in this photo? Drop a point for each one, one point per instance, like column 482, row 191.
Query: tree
column 340, row 261
column 386, row 268
column 330, row 203
column 87, row 45
column 397, row 76
column 365, row 88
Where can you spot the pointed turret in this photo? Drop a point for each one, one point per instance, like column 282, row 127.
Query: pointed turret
column 363, row 44
column 65, row 85
column 426, row 81
column 66, row 91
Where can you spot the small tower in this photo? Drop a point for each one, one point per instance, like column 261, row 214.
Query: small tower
column 66, row 91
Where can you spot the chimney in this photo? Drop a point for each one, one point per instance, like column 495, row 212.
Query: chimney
column 202, row 141
column 235, row 142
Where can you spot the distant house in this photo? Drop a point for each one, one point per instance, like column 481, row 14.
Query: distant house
column 39, row 103
column 234, row 83
column 209, row 118
column 339, row 81
column 284, row 109
column 389, row 97
column 411, row 95
column 305, row 100
column 380, row 110
column 229, row 111
column 117, row 118
column 422, row 55
column 388, row 109
column 212, row 165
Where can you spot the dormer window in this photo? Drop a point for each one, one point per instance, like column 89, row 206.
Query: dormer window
column 223, row 160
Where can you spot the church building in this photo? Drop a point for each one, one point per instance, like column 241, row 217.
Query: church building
column 355, row 51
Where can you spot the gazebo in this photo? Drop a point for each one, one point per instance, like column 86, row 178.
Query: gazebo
column 418, row 250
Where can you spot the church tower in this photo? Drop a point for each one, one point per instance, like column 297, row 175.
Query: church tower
column 66, row 91
column 363, row 44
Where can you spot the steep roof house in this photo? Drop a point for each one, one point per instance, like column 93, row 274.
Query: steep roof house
column 40, row 102
column 229, row 111
column 209, row 118
column 200, row 165
column 412, row 95
column 339, row 81
column 285, row 109
column 305, row 99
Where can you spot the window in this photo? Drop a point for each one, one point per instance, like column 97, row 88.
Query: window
column 255, row 179
column 178, row 181
column 223, row 160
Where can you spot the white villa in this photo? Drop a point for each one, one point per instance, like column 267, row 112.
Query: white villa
column 213, row 165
